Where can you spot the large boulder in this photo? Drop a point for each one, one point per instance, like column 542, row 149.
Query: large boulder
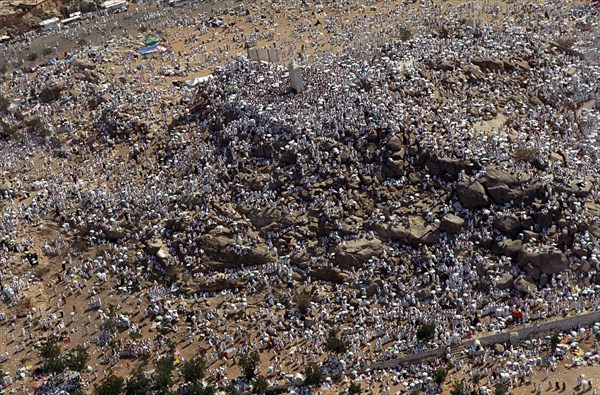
column 354, row 253
column 331, row 274
column 549, row 260
column 507, row 223
column 525, row 286
column 472, row 195
column 416, row 232
column 502, row 193
column 491, row 64
column 502, row 185
column 221, row 252
column 504, row 281
column 51, row 92
column 507, row 247
column 81, row 64
column 452, row 223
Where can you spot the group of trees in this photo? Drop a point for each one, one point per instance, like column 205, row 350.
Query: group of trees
column 192, row 371
column 53, row 361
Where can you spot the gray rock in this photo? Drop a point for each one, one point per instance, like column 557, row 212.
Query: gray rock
column 499, row 348
column 452, row 223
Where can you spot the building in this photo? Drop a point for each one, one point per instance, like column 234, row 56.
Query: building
column 179, row 3
column 73, row 17
column 114, row 5
column 49, row 24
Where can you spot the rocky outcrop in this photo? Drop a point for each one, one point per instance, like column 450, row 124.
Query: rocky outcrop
column 452, row 223
column 507, row 223
column 548, row 260
column 524, row 285
column 51, row 93
column 354, row 253
column 472, row 195
column 222, row 252
column 507, row 247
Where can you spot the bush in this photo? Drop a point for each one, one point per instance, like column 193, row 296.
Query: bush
column 77, row 359
column 336, row 344
column 405, row 34
column 164, row 373
column 313, row 374
column 138, row 383
column 554, row 340
column 194, row 370
column 499, row 390
column 303, row 302
column 565, row 41
column 48, row 51
column 259, row 385
column 426, row 332
column 439, row 376
column 354, row 389
column 32, row 56
column 4, row 103
column 458, row 389
column 248, row 362
column 198, row 389
column 51, row 357
column 231, row 389
column 113, row 385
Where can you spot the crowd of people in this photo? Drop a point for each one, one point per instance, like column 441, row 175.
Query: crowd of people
column 153, row 206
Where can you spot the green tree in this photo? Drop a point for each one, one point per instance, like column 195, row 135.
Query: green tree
column 499, row 389
column 554, row 340
column 138, row 383
column 439, row 376
column 426, row 332
column 458, row 389
column 77, row 359
column 231, row 389
column 336, row 344
column 194, row 370
column 259, row 385
column 48, row 51
column 51, row 357
column 199, row 389
column 113, row 385
column 313, row 374
column 32, row 56
column 248, row 362
column 164, row 373
column 354, row 388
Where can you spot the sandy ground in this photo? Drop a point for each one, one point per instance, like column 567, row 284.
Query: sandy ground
column 43, row 297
